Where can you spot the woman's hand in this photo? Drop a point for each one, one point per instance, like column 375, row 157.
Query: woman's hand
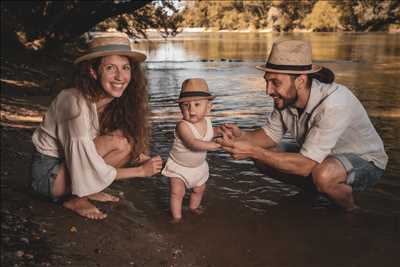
column 142, row 158
column 152, row 166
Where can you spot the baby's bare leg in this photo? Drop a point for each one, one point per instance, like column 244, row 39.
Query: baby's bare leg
column 196, row 197
column 177, row 190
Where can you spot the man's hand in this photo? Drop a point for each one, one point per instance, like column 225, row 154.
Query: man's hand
column 231, row 130
column 237, row 149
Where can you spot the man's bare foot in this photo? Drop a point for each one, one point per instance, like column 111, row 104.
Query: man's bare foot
column 103, row 197
column 83, row 207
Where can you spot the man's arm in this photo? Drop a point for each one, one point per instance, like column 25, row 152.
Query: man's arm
column 257, row 145
column 256, row 137
column 293, row 163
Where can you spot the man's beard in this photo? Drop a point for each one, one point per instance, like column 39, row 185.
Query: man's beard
column 288, row 102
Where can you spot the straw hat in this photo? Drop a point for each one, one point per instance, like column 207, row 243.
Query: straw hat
column 110, row 43
column 194, row 89
column 290, row 57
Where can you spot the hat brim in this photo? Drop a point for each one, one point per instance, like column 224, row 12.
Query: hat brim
column 134, row 55
column 314, row 68
column 193, row 98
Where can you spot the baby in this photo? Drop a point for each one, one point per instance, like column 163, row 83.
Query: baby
column 187, row 166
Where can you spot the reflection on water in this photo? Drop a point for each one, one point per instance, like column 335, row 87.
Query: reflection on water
column 367, row 63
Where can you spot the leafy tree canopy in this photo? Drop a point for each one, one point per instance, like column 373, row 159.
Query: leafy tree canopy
column 50, row 24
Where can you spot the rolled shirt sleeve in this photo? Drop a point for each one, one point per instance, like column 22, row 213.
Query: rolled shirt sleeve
column 274, row 127
column 325, row 129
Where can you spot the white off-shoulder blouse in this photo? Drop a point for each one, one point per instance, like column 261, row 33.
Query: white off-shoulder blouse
column 68, row 131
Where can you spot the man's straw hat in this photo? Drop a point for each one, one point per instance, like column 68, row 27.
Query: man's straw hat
column 194, row 89
column 290, row 57
column 110, row 43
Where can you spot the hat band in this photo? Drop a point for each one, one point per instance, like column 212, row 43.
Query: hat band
column 110, row 48
column 194, row 93
column 288, row 67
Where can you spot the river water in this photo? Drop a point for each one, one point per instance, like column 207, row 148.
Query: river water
column 369, row 64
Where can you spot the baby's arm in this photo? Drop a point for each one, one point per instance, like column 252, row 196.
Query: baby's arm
column 191, row 142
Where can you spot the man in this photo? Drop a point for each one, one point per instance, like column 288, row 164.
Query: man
column 339, row 147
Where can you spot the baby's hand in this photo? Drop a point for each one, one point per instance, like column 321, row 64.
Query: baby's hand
column 152, row 166
column 214, row 146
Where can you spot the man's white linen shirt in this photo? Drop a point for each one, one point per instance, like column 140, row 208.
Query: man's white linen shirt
column 337, row 125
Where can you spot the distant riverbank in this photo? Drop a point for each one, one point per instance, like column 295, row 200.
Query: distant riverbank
column 263, row 30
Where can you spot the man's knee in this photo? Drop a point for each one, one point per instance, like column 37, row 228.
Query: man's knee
column 328, row 172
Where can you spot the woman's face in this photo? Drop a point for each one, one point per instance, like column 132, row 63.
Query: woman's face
column 114, row 74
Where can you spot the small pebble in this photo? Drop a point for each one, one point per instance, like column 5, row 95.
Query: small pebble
column 29, row 256
column 25, row 240
column 19, row 253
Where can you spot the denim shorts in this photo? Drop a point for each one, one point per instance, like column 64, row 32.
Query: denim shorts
column 44, row 170
column 361, row 174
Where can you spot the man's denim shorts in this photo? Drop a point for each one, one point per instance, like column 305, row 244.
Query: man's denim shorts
column 361, row 174
column 44, row 171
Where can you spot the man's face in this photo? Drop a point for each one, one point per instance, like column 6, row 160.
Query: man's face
column 281, row 88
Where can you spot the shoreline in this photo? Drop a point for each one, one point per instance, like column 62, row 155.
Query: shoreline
column 263, row 30
column 137, row 232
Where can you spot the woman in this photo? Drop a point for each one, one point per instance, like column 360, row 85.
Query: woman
column 92, row 131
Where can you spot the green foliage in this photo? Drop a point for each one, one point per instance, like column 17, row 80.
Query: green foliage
column 162, row 15
column 51, row 24
column 287, row 15
column 233, row 14
column 324, row 17
column 369, row 15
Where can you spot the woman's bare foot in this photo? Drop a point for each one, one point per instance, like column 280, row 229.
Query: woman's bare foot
column 103, row 197
column 83, row 207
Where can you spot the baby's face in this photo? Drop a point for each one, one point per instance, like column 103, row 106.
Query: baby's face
column 195, row 111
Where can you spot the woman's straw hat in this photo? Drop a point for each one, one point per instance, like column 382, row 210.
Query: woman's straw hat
column 290, row 57
column 194, row 89
column 110, row 43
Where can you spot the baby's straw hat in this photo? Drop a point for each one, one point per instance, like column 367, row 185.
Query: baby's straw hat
column 110, row 43
column 194, row 89
column 291, row 57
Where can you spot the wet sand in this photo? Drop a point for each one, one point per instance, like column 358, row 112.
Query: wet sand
column 137, row 231
column 249, row 219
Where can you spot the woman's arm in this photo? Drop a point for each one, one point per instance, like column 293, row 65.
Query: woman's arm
column 148, row 168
